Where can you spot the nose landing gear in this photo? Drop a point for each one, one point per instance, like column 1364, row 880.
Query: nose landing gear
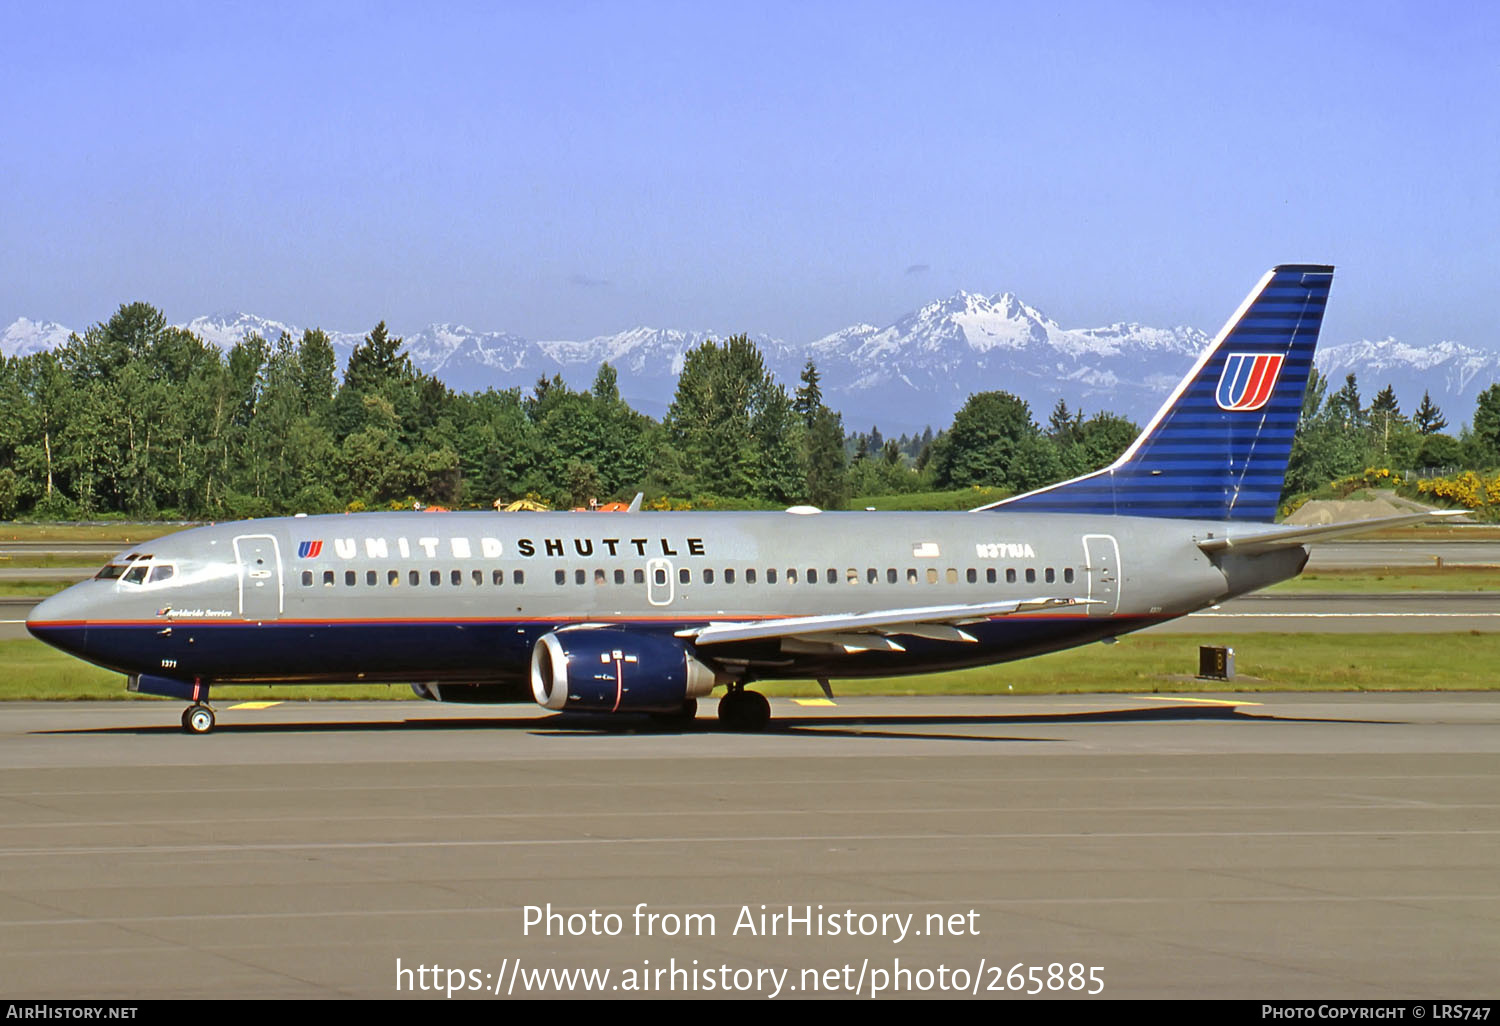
column 197, row 719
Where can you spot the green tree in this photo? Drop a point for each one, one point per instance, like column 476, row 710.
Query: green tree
column 994, row 442
column 827, row 479
column 1428, row 419
column 809, row 398
column 732, row 424
column 1484, row 436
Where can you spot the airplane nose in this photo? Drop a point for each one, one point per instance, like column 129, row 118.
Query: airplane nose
column 58, row 618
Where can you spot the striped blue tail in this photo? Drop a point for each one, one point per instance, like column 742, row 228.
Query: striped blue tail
column 1218, row 448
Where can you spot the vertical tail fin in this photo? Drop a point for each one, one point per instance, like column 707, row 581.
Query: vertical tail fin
column 1218, row 448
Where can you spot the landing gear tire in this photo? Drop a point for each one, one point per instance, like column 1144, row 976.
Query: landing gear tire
column 681, row 717
column 745, row 712
column 197, row 719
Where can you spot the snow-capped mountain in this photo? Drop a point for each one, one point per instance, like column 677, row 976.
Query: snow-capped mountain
column 26, row 336
column 933, row 358
column 1454, row 374
column 917, row 371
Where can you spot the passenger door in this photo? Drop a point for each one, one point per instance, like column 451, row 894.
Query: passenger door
column 259, row 559
column 1102, row 564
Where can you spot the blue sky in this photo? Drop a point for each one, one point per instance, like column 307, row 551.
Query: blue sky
column 570, row 169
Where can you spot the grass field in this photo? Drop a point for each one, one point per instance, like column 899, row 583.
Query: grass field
column 1393, row 579
column 52, row 560
column 1143, row 663
column 124, row 533
column 31, row 589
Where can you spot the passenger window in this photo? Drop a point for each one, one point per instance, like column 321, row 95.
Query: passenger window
column 685, row 575
column 872, row 576
column 478, row 578
column 750, row 576
column 833, row 576
column 989, row 576
column 1068, row 575
column 434, row 577
column 1051, row 575
column 812, row 575
column 660, row 575
column 370, row 578
column 307, row 578
column 1030, row 575
column 497, row 577
column 932, row 575
column 328, row 578
column 599, row 579
column 771, row 576
column 729, row 575
column 911, row 575
column 560, row 576
column 708, row 576
column 639, row 577
column 415, row 577
column 972, row 576
column 619, row 576
column 519, row 577
column 891, row 577
column 579, row 576
column 349, row 578
column 393, row 578
column 1010, row 576
column 457, row 577
column 952, row 575
column 791, row 575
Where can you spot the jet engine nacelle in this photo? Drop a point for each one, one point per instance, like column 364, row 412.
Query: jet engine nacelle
column 613, row 670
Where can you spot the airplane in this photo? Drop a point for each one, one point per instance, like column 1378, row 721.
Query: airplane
column 638, row 612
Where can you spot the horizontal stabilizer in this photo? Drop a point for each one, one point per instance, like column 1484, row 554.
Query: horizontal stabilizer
column 1290, row 537
column 888, row 621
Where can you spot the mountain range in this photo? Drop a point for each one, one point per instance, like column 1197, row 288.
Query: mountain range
column 915, row 372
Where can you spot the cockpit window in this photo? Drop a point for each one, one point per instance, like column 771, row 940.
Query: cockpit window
column 138, row 572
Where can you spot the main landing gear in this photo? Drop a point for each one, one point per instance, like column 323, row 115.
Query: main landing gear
column 197, row 719
column 744, row 711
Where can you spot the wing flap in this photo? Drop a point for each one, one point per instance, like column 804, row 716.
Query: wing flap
column 922, row 621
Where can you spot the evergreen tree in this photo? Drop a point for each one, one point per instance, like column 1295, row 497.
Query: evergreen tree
column 607, row 384
column 827, row 482
column 1344, row 406
column 1484, row 438
column 809, row 398
column 1429, row 419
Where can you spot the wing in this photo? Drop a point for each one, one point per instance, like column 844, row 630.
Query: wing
column 1288, row 537
column 857, row 632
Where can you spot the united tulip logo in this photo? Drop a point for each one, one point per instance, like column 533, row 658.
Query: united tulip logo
column 1248, row 380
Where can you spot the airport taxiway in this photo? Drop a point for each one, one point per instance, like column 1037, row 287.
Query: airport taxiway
column 1283, row 846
